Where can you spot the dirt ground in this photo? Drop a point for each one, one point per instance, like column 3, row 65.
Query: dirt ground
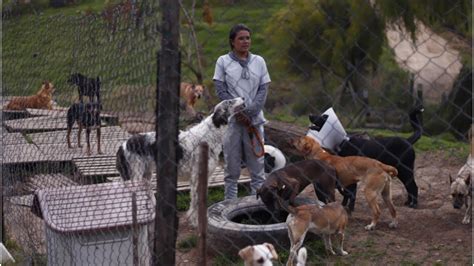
column 430, row 234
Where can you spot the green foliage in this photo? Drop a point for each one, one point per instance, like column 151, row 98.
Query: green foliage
column 188, row 243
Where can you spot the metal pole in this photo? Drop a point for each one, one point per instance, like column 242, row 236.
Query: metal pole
column 167, row 114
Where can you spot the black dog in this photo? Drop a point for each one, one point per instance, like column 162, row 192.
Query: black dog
column 395, row 151
column 86, row 115
column 86, row 86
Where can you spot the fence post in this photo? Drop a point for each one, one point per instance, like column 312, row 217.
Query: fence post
column 167, row 114
column 202, row 199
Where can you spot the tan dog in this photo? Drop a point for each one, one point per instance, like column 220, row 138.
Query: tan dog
column 261, row 255
column 327, row 221
column 461, row 189
column 41, row 100
column 352, row 169
column 191, row 93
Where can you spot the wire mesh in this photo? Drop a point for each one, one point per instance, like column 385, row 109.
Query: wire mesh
column 80, row 190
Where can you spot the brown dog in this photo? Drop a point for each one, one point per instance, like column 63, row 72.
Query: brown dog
column 191, row 93
column 286, row 183
column 352, row 169
column 329, row 220
column 41, row 100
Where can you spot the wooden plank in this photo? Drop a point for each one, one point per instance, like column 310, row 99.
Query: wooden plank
column 37, row 124
column 43, row 181
column 107, row 133
column 215, row 180
column 22, row 153
column 61, row 152
column 13, row 138
column 56, row 112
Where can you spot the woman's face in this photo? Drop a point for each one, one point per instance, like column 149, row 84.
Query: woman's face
column 242, row 42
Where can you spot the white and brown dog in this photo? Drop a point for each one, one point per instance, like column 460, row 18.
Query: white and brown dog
column 258, row 255
column 461, row 189
column 328, row 221
column 136, row 156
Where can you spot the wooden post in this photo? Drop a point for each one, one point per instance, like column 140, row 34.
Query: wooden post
column 202, row 199
column 167, row 114
column 134, row 229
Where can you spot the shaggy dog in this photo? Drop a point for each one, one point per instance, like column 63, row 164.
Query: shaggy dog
column 352, row 169
column 395, row 151
column 461, row 189
column 86, row 116
column 190, row 94
column 258, row 255
column 41, row 100
column 86, row 86
column 136, row 156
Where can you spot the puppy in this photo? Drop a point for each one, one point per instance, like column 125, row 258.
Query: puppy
column 395, row 151
column 285, row 184
column 258, row 255
column 86, row 116
column 86, row 86
column 190, row 94
column 41, row 100
column 461, row 189
column 353, row 169
column 327, row 221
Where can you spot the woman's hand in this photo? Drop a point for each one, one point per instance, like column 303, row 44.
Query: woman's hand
column 243, row 119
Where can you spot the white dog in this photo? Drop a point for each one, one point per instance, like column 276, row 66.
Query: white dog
column 461, row 189
column 136, row 156
column 258, row 255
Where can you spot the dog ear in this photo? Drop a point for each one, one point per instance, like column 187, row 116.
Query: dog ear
column 219, row 117
column 450, row 179
column 246, row 253
column 468, row 180
column 272, row 250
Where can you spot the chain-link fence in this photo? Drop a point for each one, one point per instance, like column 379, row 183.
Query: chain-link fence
column 90, row 107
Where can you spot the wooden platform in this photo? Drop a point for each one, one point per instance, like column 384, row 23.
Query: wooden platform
column 215, row 180
column 40, row 181
column 95, row 166
column 37, row 124
column 22, row 153
column 13, row 138
column 56, row 137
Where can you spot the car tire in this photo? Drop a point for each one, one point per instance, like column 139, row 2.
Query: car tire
column 228, row 231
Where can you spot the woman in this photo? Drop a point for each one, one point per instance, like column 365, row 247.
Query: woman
column 242, row 74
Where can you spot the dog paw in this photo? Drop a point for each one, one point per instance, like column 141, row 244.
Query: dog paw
column 466, row 220
column 343, row 252
column 370, row 227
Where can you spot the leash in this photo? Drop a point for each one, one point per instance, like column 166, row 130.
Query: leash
column 254, row 132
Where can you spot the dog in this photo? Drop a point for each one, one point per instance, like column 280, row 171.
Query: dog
column 461, row 189
column 258, row 255
column 302, row 257
column 41, row 100
column 395, row 151
column 86, row 86
column 273, row 158
column 327, row 221
column 352, row 169
column 86, row 115
column 136, row 156
column 190, row 93
column 283, row 185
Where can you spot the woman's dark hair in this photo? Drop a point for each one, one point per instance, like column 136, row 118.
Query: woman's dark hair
column 234, row 30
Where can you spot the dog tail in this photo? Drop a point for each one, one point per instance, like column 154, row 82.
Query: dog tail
column 392, row 171
column 122, row 164
column 417, row 124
